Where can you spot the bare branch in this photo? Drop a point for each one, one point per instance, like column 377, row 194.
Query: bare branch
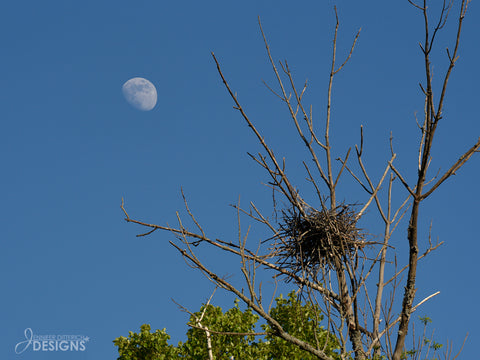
column 458, row 164
column 292, row 195
column 402, row 180
column 429, row 250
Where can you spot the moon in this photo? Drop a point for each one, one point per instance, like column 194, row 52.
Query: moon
column 140, row 93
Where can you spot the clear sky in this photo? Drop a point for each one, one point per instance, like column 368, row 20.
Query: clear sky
column 71, row 147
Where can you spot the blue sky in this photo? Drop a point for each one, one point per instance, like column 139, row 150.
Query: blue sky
column 71, row 147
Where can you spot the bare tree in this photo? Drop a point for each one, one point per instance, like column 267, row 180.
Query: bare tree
column 320, row 247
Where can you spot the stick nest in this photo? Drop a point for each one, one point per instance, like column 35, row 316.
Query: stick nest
column 319, row 239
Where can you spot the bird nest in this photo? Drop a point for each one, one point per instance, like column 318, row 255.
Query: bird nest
column 318, row 240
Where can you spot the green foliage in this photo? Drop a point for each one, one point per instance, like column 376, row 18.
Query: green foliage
column 145, row 345
column 223, row 346
column 299, row 320
column 303, row 322
column 425, row 320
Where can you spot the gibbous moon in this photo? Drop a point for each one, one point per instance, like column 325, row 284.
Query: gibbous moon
column 140, row 93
